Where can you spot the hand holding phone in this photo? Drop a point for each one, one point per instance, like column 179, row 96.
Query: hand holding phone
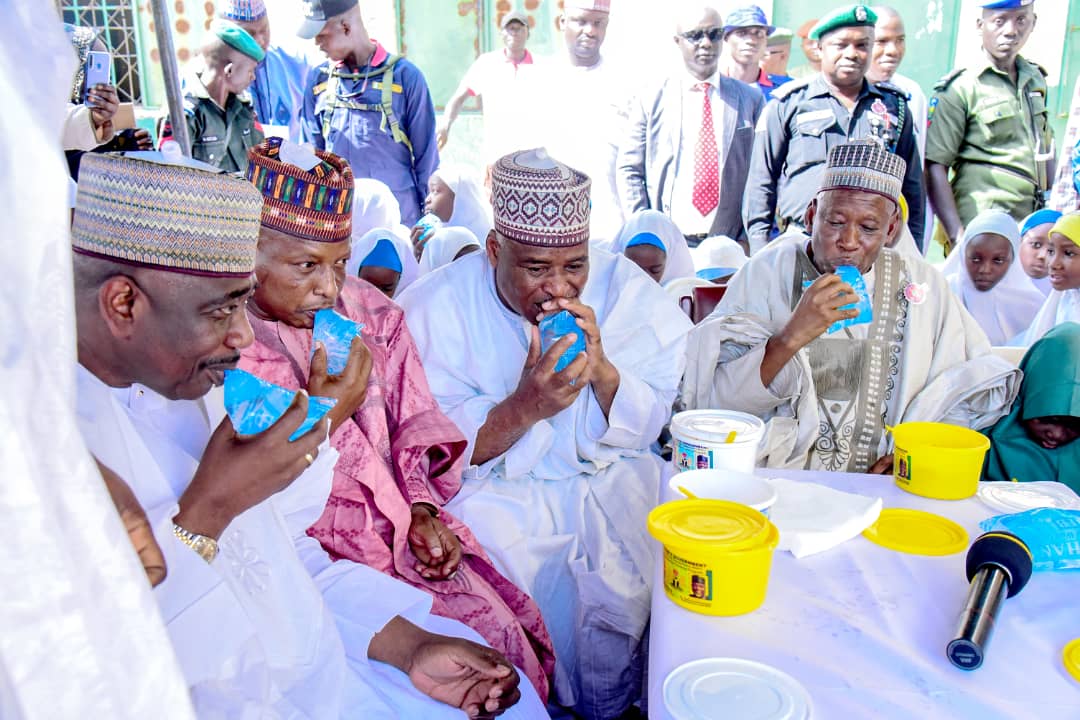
column 98, row 72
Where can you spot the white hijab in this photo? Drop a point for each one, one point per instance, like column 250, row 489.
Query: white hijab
column 472, row 209
column 444, row 246
column 1009, row 307
column 374, row 206
column 363, row 244
column 718, row 251
column 679, row 263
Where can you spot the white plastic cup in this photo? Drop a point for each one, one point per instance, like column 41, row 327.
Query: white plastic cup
column 699, row 440
column 729, row 485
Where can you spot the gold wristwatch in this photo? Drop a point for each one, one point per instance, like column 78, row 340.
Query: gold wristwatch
column 206, row 547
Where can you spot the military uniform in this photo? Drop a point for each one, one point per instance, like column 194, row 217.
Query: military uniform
column 219, row 136
column 994, row 135
column 381, row 119
column 794, row 134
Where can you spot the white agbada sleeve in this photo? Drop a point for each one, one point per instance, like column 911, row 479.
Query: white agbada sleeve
column 80, row 634
column 361, row 600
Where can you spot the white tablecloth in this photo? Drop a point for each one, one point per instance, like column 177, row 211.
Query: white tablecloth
column 864, row 629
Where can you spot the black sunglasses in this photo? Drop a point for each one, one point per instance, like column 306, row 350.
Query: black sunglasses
column 715, row 34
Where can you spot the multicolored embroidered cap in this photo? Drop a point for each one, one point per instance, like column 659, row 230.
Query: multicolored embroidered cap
column 242, row 10
column 183, row 217
column 864, row 166
column 539, row 201
column 315, row 205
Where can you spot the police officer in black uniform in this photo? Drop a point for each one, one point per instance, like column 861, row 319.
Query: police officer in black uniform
column 806, row 118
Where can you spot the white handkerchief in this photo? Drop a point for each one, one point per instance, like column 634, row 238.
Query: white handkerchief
column 812, row 518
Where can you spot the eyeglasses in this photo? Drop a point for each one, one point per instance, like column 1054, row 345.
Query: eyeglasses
column 694, row 37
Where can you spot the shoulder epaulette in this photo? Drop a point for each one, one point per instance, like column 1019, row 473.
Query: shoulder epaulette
column 894, row 89
column 945, row 82
column 789, row 87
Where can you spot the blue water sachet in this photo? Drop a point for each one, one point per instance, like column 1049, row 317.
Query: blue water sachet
column 254, row 404
column 854, row 278
column 554, row 327
column 336, row 333
column 430, row 222
column 1052, row 534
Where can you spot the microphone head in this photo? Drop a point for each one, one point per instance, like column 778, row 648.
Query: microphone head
column 1004, row 550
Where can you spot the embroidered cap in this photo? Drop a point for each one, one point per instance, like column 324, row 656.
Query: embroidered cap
column 242, row 10
column 539, row 201
column 182, row 217
column 310, row 205
column 598, row 5
column 850, row 16
column 864, row 166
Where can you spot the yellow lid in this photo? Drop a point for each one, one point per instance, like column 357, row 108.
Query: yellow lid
column 1071, row 658
column 917, row 532
column 724, row 525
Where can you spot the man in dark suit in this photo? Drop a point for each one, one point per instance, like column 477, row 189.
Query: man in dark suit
column 688, row 142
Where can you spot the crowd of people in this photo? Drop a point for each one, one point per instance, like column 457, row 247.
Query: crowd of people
column 465, row 528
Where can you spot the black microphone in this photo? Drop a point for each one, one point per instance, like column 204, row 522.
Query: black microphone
column 998, row 565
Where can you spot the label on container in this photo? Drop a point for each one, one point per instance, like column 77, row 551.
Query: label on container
column 902, row 465
column 692, row 457
column 687, row 583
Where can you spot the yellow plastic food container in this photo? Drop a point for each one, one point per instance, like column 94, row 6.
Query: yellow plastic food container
column 717, row 554
column 937, row 460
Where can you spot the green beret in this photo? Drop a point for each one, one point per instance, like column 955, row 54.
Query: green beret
column 237, row 38
column 780, row 36
column 851, row 16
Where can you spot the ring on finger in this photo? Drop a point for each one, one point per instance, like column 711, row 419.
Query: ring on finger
column 310, row 458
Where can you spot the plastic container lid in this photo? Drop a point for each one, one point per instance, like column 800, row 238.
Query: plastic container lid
column 734, row 689
column 1017, row 497
column 714, row 426
column 1070, row 656
column 725, row 526
column 917, row 532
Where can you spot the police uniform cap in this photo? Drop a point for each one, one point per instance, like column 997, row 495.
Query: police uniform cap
column 1004, row 4
column 780, row 36
column 237, row 38
column 850, row 16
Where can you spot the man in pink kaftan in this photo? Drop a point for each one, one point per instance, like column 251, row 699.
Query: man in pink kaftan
column 401, row 457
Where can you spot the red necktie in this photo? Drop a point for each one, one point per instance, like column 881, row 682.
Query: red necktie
column 706, row 159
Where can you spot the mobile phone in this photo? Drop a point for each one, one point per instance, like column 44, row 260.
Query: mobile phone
column 98, row 70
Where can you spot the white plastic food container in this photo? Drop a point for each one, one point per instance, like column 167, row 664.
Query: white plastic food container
column 699, row 440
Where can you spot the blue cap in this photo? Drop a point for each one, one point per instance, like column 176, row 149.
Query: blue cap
column 749, row 16
column 1039, row 217
column 1004, row 4
column 646, row 238
column 384, row 254
column 715, row 273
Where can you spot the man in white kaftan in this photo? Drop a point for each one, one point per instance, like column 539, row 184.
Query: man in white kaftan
column 828, row 397
column 268, row 626
column 585, row 103
column 562, row 477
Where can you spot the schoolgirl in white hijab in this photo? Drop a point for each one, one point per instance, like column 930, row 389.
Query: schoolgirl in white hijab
column 653, row 228
column 457, row 197
column 380, row 254
column 1003, row 304
column 374, row 206
column 446, row 245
